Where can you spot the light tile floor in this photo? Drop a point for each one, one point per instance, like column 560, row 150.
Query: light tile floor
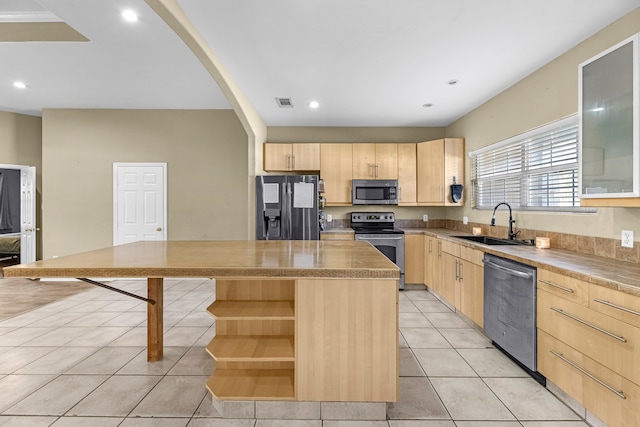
column 81, row 361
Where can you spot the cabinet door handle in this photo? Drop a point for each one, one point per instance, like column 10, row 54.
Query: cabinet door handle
column 618, row 393
column 430, row 246
column 461, row 270
column 546, row 282
column 619, row 307
column 376, row 170
column 289, row 161
column 293, row 162
column 570, row 316
column 439, row 248
column 457, row 271
column 400, row 193
column 371, row 172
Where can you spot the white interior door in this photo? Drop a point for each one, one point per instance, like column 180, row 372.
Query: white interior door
column 139, row 196
column 27, row 211
column 27, row 214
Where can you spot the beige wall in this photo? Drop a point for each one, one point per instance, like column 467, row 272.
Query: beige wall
column 352, row 134
column 548, row 94
column 254, row 126
column 21, row 144
column 21, row 140
column 206, row 152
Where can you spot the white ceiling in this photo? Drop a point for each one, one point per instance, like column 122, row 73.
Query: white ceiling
column 367, row 62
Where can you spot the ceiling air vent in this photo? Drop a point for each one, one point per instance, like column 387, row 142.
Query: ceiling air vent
column 284, row 102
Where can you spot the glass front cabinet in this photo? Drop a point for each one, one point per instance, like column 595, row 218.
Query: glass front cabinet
column 609, row 113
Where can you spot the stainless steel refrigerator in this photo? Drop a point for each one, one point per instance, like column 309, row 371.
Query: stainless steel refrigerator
column 287, row 207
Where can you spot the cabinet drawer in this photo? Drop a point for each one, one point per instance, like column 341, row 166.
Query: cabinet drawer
column 614, row 399
column 564, row 286
column 601, row 338
column 616, row 304
column 451, row 248
column 474, row 256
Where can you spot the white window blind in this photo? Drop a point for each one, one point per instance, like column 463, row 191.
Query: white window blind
column 535, row 170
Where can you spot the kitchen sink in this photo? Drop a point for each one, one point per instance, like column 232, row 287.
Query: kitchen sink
column 495, row 240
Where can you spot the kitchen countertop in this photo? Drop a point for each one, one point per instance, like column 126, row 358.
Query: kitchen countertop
column 610, row 273
column 257, row 258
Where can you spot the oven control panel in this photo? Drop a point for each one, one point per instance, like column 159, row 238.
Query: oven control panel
column 372, row 217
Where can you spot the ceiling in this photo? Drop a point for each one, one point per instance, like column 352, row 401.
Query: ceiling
column 366, row 62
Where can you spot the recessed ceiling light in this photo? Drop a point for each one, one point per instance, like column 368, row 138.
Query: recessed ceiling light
column 19, row 85
column 314, row 104
column 427, row 105
column 453, row 82
column 130, row 15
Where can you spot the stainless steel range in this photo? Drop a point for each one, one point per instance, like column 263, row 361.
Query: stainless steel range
column 378, row 228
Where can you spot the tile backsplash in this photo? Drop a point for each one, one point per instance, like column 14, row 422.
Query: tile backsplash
column 599, row 246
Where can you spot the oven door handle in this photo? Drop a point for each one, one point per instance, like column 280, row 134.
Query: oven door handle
column 378, row 238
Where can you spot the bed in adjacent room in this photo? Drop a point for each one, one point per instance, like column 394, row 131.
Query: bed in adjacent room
column 9, row 249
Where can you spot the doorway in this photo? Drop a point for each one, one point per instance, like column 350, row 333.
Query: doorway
column 139, row 202
column 18, row 213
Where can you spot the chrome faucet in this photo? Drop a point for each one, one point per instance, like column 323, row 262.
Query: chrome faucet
column 512, row 235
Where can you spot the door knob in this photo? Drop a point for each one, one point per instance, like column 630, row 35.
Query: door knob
column 159, row 229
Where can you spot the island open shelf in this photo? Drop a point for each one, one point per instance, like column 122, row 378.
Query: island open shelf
column 253, row 384
column 252, row 348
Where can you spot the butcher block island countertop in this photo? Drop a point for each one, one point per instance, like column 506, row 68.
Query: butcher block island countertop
column 295, row 320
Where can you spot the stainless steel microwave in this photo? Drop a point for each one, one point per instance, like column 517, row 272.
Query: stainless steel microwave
column 374, row 191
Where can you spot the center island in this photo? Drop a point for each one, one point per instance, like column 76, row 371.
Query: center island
column 295, row 320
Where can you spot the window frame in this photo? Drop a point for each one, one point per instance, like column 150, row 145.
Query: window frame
column 525, row 170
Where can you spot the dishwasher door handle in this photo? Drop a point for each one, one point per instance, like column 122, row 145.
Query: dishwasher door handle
column 507, row 270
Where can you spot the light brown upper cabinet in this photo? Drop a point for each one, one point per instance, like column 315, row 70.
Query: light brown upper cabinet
column 335, row 170
column 375, row 161
column 608, row 93
column 438, row 162
column 407, row 191
column 291, row 157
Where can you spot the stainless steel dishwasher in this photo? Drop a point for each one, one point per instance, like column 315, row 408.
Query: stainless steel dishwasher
column 510, row 309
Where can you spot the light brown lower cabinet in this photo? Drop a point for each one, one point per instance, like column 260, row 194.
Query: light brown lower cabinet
column 471, row 285
column 589, row 345
column 414, row 249
column 450, row 278
column 463, row 280
column 433, row 264
column 611, row 397
column 606, row 340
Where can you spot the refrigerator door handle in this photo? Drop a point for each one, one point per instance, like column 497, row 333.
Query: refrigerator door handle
column 285, row 211
column 289, row 219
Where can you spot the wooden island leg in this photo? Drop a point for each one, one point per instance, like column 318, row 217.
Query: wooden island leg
column 154, row 319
